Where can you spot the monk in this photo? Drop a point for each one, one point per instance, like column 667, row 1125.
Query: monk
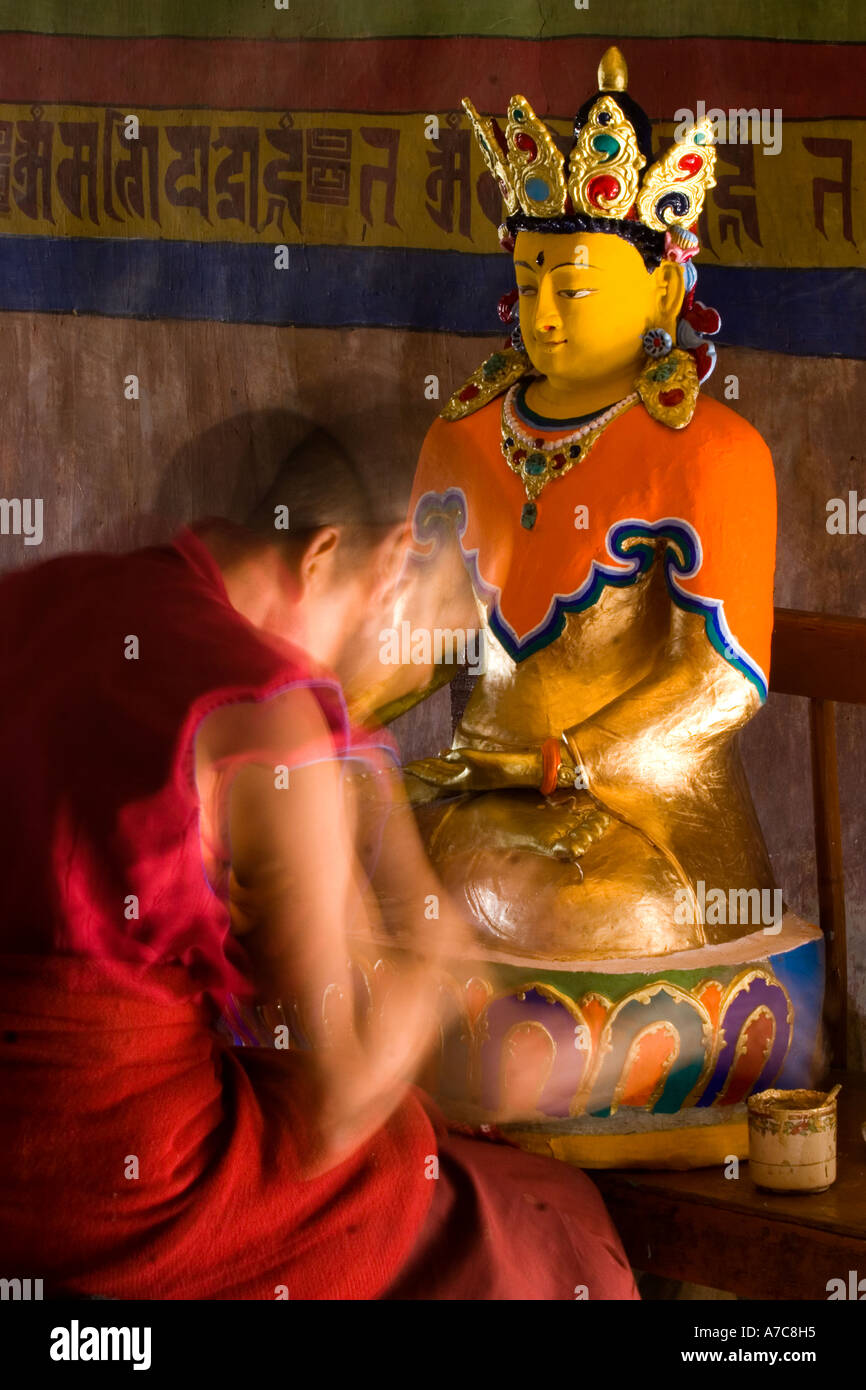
column 178, row 832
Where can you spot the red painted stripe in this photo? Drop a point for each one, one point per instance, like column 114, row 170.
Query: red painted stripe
column 428, row 74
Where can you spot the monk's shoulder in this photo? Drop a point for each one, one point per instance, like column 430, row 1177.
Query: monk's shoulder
column 286, row 725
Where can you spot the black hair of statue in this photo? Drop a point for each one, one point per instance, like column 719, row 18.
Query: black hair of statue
column 648, row 243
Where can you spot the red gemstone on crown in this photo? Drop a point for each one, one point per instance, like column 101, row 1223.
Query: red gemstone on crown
column 526, row 143
column 519, row 455
column 691, row 163
column 539, row 443
column 558, row 460
column 469, row 392
column 603, row 186
column 672, row 397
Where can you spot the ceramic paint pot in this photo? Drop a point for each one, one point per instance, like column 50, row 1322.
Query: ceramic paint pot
column 792, row 1141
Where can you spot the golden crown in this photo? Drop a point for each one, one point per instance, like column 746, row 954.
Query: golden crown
column 605, row 174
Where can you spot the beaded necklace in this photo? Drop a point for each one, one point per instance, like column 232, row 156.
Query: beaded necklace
column 537, row 460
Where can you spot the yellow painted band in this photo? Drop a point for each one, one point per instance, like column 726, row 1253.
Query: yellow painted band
column 370, row 180
column 705, row 1146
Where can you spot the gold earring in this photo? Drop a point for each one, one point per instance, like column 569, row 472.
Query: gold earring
column 668, row 384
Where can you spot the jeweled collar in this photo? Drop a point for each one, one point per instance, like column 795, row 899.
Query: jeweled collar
column 537, row 459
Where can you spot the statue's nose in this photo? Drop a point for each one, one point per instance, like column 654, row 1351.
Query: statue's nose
column 548, row 318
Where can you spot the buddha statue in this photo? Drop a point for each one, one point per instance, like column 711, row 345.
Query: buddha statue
column 636, row 975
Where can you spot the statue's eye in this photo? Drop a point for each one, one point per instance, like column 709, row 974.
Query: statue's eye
column 575, row 294
column 526, row 289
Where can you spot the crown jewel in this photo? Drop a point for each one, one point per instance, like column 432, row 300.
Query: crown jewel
column 605, row 163
column 605, row 174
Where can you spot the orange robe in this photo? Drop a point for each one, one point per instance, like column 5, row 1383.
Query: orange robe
column 709, row 488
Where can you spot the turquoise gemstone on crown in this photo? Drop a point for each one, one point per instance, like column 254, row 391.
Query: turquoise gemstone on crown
column 607, row 145
column 535, row 464
column 528, row 515
column 538, row 190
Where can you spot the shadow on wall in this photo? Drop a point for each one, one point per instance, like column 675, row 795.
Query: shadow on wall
column 226, row 469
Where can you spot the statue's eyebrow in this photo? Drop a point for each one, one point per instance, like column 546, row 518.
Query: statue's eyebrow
column 571, row 265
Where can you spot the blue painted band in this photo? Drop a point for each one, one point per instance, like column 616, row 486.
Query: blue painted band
column 804, row 312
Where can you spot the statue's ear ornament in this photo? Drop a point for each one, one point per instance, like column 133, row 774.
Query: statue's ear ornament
column 697, row 321
column 668, row 388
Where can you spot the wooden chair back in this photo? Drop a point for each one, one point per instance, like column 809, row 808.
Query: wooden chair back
column 823, row 658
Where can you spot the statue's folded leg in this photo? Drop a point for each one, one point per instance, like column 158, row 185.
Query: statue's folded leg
column 555, row 877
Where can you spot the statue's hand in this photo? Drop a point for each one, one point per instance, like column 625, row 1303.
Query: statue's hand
column 571, row 834
column 472, row 769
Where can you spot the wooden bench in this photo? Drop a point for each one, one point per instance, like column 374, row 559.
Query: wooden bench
column 701, row 1227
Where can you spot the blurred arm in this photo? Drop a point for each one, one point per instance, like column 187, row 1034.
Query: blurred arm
column 296, row 891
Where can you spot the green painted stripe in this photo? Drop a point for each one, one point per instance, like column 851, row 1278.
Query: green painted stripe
column 828, row 21
column 575, row 983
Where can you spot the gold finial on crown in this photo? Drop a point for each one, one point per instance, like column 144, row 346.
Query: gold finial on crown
column 612, row 71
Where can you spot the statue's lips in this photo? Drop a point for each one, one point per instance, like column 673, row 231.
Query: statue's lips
column 560, row 342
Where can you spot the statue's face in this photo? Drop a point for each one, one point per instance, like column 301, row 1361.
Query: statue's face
column 585, row 300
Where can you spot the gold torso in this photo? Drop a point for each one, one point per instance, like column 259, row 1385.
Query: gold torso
column 601, row 653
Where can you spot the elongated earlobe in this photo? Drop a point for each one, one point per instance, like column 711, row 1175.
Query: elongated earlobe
column 672, row 289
